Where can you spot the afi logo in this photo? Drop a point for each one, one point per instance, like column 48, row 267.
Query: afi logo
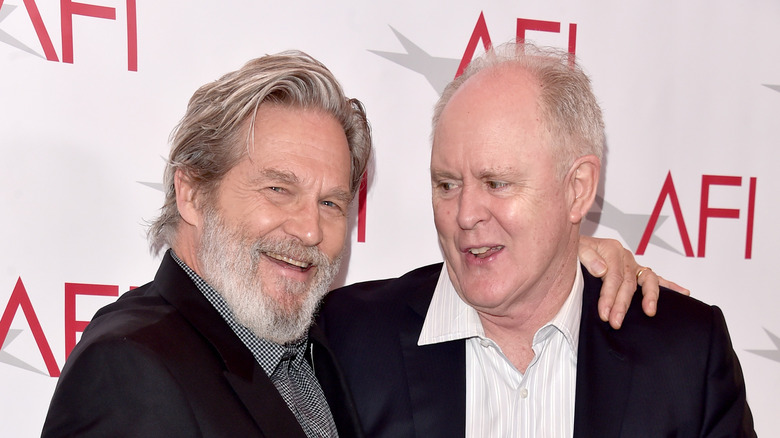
column 68, row 9
column 20, row 299
column 706, row 212
column 523, row 24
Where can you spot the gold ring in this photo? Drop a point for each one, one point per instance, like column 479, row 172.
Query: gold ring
column 641, row 271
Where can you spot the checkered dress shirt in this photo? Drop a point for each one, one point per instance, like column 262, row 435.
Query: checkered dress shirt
column 285, row 365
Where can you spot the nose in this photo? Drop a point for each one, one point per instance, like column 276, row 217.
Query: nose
column 472, row 208
column 305, row 224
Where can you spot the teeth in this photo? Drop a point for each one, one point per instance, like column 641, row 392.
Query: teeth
column 293, row 262
column 485, row 251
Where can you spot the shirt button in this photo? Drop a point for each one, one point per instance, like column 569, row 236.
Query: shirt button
column 485, row 343
column 524, row 393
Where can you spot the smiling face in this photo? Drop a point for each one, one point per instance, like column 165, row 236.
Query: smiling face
column 272, row 233
column 502, row 212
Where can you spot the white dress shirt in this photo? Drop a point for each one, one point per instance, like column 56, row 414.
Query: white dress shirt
column 500, row 400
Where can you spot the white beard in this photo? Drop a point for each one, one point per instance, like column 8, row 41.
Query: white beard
column 230, row 260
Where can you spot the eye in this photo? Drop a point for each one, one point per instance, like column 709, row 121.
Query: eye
column 446, row 186
column 496, row 184
column 277, row 189
column 334, row 207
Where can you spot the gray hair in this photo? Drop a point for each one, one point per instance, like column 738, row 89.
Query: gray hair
column 570, row 112
column 217, row 129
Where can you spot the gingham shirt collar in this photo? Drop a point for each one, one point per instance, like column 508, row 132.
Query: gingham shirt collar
column 267, row 354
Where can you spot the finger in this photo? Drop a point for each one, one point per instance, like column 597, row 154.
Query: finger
column 625, row 291
column 609, row 290
column 610, row 253
column 673, row 286
column 592, row 261
column 648, row 279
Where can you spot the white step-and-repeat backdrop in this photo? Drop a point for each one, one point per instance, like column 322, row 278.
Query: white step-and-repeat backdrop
column 90, row 91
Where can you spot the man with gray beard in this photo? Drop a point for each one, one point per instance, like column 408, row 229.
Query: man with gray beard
column 262, row 170
column 261, row 173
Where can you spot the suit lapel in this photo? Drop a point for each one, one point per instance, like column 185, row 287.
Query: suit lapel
column 265, row 404
column 436, row 373
column 333, row 384
column 603, row 371
column 250, row 383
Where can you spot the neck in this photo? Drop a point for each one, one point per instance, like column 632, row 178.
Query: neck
column 514, row 330
column 185, row 245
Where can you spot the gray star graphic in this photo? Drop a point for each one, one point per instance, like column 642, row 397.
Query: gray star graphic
column 773, row 355
column 7, row 38
column 629, row 226
column 156, row 186
column 774, row 87
column 438, row 71
column 8, row 358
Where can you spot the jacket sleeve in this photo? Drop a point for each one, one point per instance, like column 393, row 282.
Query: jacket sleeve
column 118, row 388
column 726, row 409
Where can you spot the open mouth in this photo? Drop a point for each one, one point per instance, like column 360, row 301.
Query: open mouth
column 485, row 251
column 289, row 261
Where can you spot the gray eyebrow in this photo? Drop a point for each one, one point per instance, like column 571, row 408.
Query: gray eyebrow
column 343, row 196
column 280, row 175
column 500, row 172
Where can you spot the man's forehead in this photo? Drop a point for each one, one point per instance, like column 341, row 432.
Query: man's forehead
column 501, row 91
column 501, row 80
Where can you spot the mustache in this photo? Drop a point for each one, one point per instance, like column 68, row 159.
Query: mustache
column 290, row 248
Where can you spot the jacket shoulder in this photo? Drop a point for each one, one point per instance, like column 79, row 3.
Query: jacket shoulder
column 369, row 310
column 679, row 361
column 387, row 291
column 133, row 313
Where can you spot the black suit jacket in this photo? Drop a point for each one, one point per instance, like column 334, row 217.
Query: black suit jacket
column 672, row 375
column 161, row 362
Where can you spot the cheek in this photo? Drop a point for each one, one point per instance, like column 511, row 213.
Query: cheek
column 543, row 226
column 262, row 221
column 334, row 237
column 443, row 215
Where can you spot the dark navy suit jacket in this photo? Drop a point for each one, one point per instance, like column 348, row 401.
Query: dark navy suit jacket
column 161, row 362
column 675, row 374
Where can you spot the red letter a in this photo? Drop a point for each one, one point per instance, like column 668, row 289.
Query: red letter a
column 667, row 190
column 19, row 298
column 480, row 33
column 40, row 29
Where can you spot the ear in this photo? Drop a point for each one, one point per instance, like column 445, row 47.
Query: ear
column 186, row 198
column 583, row 183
